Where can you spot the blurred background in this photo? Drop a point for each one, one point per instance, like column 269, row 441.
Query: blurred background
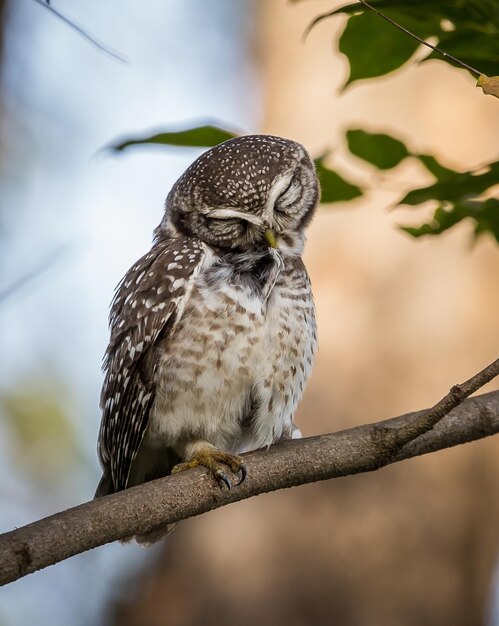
column 400, row 319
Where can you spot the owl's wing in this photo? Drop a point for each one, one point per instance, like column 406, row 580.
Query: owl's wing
column 148, row 302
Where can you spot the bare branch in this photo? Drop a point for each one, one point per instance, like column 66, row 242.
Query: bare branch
column 141, row 509
column 112, row 53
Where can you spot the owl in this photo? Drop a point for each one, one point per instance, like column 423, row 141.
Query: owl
column 213, row 331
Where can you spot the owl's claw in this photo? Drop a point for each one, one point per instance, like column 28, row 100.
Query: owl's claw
column 243, row 471
column 214, row 460
column 222, row 478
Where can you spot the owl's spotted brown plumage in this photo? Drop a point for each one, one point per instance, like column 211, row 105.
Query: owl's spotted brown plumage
column 213, row 331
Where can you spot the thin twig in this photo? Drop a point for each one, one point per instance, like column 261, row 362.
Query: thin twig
column 296, row 462
column 401, row 28
column 422, row 41
column 117, row 56
column 456, row 395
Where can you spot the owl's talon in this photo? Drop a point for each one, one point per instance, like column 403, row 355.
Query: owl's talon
column 222, row 478
column 214, row 460
column 244, row 472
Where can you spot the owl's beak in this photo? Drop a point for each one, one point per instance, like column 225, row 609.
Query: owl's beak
column 270, row 238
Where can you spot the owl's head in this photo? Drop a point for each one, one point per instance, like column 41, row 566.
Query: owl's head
column 247, row 192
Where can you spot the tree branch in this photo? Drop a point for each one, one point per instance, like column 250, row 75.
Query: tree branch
column 296, row 462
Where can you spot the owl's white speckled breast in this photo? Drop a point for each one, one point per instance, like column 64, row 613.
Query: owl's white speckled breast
column 235, row 366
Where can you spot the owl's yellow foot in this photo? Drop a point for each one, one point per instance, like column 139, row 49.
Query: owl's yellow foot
column 214, row 461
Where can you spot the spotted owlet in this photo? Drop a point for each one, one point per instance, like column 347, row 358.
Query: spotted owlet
column 213, row 331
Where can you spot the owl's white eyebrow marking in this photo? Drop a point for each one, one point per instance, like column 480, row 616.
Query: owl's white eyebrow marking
column 222, row 214
column 280, row 184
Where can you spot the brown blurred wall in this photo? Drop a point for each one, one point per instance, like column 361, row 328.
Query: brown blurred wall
column 400, row 321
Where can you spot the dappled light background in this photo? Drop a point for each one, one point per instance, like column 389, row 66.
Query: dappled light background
column 400, row 320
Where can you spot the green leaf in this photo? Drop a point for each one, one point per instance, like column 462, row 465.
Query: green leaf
column 474, row 48
column 458, row 195
column 434, row 167
column 455, row 188
column 198, row 137
column 373, row 51
column 334, row 188
column 487, row 221
column 411, row 6
column 480, row 15
column 374, row 47
column 485, row 215
column 380, row 150
column 442, row 220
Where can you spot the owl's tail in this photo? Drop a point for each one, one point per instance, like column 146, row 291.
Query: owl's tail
column 105, row 486
column 149, row 464
column 153, row 536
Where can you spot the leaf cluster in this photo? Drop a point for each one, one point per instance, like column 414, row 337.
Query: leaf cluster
column 467, row 29
column 458, row 195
